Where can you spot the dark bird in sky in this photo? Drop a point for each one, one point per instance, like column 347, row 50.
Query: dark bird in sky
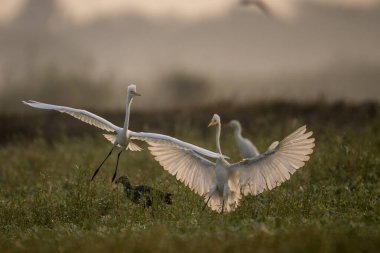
column 260, row 4
column 144, row 193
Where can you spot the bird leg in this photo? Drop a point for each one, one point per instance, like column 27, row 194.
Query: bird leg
column 152, row 209
column 97, row 170
column 117, row 163
column 204, row 206
column 222, row 206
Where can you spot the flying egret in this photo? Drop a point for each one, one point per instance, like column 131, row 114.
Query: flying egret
column 245, row 146
column 135, row 193
column 222, row 184
column 120, row 137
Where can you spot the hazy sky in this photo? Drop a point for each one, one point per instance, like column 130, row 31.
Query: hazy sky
column 87, row 10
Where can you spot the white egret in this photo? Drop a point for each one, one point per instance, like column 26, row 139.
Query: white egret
column 120, row 137
column 222, row 184
column 246, row 148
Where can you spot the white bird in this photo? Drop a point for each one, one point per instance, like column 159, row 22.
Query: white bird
column 120, row 137
column 246, row 148
column 222, row 184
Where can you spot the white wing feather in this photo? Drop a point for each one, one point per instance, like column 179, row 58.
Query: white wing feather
column 181, row 160
column 168, row 140
column 82, row 115
column 190, row 168
column 275, row 166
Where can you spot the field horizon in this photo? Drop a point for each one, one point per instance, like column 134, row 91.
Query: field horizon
column 48, row 204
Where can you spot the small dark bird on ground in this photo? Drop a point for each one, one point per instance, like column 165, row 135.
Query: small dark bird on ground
column 140, row 192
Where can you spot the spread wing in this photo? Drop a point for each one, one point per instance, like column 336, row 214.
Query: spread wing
column 181, row 159
column 270, row 169
column 168, row 140
column 82, row 115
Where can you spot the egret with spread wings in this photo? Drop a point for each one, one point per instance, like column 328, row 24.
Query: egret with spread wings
column 222, row 184
column 119, row 137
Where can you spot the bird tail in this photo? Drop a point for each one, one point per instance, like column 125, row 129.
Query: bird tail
column 110, row 137
column 133, row 146
column 230, row 203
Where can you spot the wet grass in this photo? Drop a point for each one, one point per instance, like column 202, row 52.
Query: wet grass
column 47, row 203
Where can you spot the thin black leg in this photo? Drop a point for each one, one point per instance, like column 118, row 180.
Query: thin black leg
column 97, row 170
column 117, row 163
column 152, row 209
column 204, row 206
column 223, row 206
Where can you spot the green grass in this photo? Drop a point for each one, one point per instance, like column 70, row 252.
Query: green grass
column 47, row 203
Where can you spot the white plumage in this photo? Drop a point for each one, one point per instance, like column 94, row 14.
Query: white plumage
column 222, row 184
column 120, row 137
column 246, row 148
column 276, row 165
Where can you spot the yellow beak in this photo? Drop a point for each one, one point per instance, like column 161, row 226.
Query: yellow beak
column 136, row 94
column 210, row 124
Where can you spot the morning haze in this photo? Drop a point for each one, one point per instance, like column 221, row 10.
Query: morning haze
column 290, row 92
column 328, row 52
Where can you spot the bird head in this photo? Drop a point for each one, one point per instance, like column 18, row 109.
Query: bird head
column 214, row 120
column 123, row 180
column 132, row 90
column 234, row 124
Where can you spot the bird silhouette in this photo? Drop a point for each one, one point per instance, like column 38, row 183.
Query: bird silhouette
column 145, row 193
column 260, row 4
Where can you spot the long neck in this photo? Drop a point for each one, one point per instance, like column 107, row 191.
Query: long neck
column 218, row 131
column 237, row 131
column 127, row 112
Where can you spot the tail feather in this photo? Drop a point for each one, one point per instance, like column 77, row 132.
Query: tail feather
column 230, row 204
column 110, row 137
column 133, row 146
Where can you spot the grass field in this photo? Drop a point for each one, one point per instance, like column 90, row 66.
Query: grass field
column 47, row 203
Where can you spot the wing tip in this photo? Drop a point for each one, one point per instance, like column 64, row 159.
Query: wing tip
column 30, row 102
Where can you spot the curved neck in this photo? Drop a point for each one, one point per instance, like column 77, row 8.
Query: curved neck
column 127, row 112
column 218, row 131
column 237, row 131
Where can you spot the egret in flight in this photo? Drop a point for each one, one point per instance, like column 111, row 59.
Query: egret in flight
column 246, row 148
column 222, row 184
column 119, row 137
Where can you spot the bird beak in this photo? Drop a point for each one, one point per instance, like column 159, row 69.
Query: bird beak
column 137, row 94
column 210, row 124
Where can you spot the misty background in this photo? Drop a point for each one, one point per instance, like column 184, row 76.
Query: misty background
column 85, row 53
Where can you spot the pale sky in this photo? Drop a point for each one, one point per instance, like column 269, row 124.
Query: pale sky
column 87, row 10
